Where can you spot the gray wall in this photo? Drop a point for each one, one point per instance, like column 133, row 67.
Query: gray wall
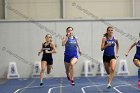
column 1, row 9
column 52, row 9
column 21, row 40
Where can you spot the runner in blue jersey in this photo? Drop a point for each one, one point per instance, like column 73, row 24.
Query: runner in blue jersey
column 109, row 55
column 136, row 58
column 70, row 55
column 48, row 48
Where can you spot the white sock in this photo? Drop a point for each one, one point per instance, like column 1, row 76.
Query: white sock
column 108, row 84
column 41, row 81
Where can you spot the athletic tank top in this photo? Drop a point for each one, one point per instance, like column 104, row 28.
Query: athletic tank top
column 138, row 49
column 109, row 51
column 48, row 47
column 71, row 46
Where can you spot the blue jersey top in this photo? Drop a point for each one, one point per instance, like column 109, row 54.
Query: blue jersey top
column 109, row 51
column 71, row 46
column 137, row 49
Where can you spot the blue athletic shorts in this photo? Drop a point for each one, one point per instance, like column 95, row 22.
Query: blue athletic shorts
column 67, row 58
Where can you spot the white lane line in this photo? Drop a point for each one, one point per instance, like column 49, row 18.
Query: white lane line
column 49, row 91
column 28, row 86
column 115, row 88
column 126, row 83
column 91, row 86
column 95, row 84
column 61, row 82
column 24, row 88
column 17, row 90
column 20, row 89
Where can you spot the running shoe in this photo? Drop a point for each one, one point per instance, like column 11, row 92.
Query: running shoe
column 139, row 84
column 108, row 86
column 72, row 82
column 41, row 84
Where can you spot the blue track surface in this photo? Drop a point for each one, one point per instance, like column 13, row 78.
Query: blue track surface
column 62, row 85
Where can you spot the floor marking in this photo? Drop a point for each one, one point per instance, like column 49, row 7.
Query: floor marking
column 49, row 91
column 91, row 86
column 115, row 88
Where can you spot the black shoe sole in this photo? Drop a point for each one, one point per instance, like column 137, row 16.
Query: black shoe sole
column 41, row 84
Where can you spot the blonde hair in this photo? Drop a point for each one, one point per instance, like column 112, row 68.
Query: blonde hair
column 48, row 35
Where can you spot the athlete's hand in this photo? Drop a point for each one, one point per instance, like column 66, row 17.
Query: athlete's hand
column 108, row 44
column 68, row 34
column 46, row 51
column 80, row 52
column 126, row 54
column 39, row 53
column 65, row 38
column 117, row 55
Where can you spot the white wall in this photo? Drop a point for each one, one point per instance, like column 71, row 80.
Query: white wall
column 21, row 40
column 38, row 9
column 52, row 9
column 100, row 8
